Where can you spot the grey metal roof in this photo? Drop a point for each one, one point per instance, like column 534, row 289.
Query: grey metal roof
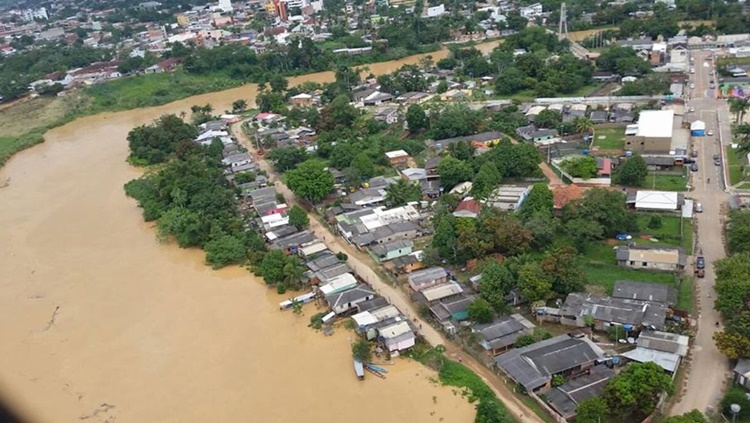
column 332, row 271
column 350, row 295
column 534, row 365
column 742, row 367
column 482, row 137
column 664, row 341
column 427, row 275
column 292, row 240
column 323, row 262
column 382, row 249
column 398, row 227
column 372, row 304
column 566, row 397
column 615, row 310
column 262, row 193
column 645, row 291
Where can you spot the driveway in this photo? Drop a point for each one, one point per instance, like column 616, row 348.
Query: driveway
column 708, row 369
column 363, row 265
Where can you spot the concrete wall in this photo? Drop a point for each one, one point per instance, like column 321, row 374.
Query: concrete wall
column 648, row 144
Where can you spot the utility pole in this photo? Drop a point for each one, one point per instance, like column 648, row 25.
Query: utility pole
column 562, row 31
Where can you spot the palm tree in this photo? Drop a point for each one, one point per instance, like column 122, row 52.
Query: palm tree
column 742, row 137
column 583, row 125
column 738, row 107
column 401, row 193
column 292, row 272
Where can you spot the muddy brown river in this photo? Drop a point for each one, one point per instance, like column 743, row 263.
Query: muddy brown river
column 102, row 323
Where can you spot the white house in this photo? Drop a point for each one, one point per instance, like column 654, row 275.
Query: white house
column 656, row 200
column 532, row 11
column 347, row 300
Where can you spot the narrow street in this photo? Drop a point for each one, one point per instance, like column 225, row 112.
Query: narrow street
column 362, row 264
column 708, row 369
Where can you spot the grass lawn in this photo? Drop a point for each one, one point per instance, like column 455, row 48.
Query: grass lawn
column 735, row 163
column 685, row 294
column 669, row 232
column 602, row 271
column 610, row 138
column 666, row 181
column 745, row 185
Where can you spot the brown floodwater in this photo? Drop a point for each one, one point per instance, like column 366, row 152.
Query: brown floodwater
column 100, row 322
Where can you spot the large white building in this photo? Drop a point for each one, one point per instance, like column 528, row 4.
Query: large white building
column 226, row 5
column 29, row 15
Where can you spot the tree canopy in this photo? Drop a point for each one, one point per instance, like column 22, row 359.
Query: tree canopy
column 310, row 180
column 155, row 143
column 635, row 390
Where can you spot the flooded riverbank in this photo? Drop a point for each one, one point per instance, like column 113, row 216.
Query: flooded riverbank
column 103, row 323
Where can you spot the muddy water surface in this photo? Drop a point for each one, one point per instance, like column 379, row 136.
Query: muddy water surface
column 101, row 323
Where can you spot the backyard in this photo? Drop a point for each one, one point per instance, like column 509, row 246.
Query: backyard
column 610, row 138
column 666, row 181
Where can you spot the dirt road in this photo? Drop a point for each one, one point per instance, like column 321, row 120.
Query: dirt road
column 362, row 264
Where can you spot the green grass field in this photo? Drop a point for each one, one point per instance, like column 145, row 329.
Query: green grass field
column 735, row 164
column 666, row 181
column 613, row 138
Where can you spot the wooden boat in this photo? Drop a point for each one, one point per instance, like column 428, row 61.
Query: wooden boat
column 375, row 372
column 385, row 363
column 302, row 299
column 376, row 368
column 359, row 370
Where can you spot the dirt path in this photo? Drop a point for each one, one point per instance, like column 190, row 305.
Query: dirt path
column 362, row 264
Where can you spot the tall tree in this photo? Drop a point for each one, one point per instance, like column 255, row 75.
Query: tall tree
column 564, row 269
column 402, row 192
column 591, row 410
column 453, row 171
column 480, row 311
column 310, row 180
column 540, row 199
column 636, row 389
column 416, row 118
column 633, row 172
column 298, row 217
column 496, row 282
column 533, row 282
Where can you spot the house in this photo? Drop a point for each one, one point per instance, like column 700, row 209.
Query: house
column 367, row 197
column 427, row 278
column 599, row 116
column 468, row 208
column 290, row 243
column 651, row 257
column 637, row 44
column 301, row 100
column 167, row 65
column 397, row 157
column 508, row 197
column 741, row 373
column 323, row 261
column 657, row 201
column 414, row 174
column 311, row 249
column 566, row 398
column 654, row 134
column 441, row 292
column 533, row 366
column 338, row 284
column 330, row 273
column 604, row 76
column 606, row 311
column 672, row 343
column 389, row 251
column 486, row 138
column 373, row 314
column 604, row 167
column 532, row 11
column 397, row 336
column 236, row 160
column 431, row 166
column 645, row 291
column 346, row 301
column 462, row 189
column 533, row 112
column 405, row 264
column 371, row 98
column 668, row 361
column 389, row 116
column 454, row 309
column 500, row 335
column 531, row 134
column 430, row 188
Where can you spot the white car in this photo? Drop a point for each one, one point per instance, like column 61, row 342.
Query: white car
column 698, row 208
column 692, row 85
column 710, row 133
column 692, row 70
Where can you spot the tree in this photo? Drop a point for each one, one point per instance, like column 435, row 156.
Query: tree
column 533, row 283
column 510, row 81
column 278, row 83
column 480, row 311
column 446, row 240
column 442, row 86
column 292, row 271
column 271, row 102
column 732, row 345
column 489, row 410
column 486, row 180
column 298, row 217
column 738, row 107
column 363, row 163
column 583, row 231
column 454, row 120
column 416, row 118
column 181, row 224
column 738, row 231
column 580, row 167
column 361, row 351
column 564, row 269
column 605, row 207
column 225, row 250
column 585, row 125
column 543, row 228
column 155, row 143
column 736, row 395
column 461, row 150
column 402, row 192
column 239, row 106
column 310, row 180
column 694, row 416
column 591, row 410
column 540, row 199
column 286, row 158
column 495, row 284
column 633, row 172
column 548, row 119
column 272, row 267
column 338, row 114
column 453, row 171
column 525, row 341
column 636, row 389
column 504, row 233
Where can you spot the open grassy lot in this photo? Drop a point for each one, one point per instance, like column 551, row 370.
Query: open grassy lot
column 736, row 165
column 666, row 181
column 609, row 138
column 670, row 232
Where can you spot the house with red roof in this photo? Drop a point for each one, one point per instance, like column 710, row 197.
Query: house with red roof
column 468, row 208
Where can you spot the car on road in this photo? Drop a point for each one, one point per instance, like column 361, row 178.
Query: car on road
column 694, row 153
column 692, row 70
column 698, row 208
column 700, row 262
column 710, row 133
column 712, row 86
column 694, row 167
column 692, row 85
column 691, row 109
column 717, row 162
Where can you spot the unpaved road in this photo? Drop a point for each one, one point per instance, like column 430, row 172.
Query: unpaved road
column 362, row 264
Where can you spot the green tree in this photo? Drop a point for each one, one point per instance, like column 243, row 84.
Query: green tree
column 525, row 341
column 310, row 180
column 155, row 143
column 453, row 171
column 510, row 81
column 361, row 351
column 540, row 199
column 225, row 250
column 633, row 172
column 338, row 114
column 286, row 158
column 548, row 119
column 402, row 192
column 636, row 389
column 736, row 395
column 584, row 125
column 239, row 106
column 496, row 282
column 543, row 228
column 486, row 180
column 489, row 410
column 738, row 107
column 416, row 118
column 442, row 87
column 732, row 344
column 364, row 165
column 580, row 167
column 605, row 207
column 292, row 271
column 454, row 120
column 564, row 269
column 533, row 283
column 480, row 311
column 181, row 224
column 298, row 217
column 738, row 231
column 591, row 410
column 278, row 83
column 272, row 267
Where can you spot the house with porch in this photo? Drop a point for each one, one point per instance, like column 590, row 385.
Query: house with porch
column 500, row 335
column 343, row 302
column 391, row 250
column 427, row 278
column 651, row 257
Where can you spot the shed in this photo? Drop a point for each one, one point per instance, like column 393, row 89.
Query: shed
column 656, row 200
column 698, row 128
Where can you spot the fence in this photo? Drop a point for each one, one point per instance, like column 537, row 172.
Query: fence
column 606, row 99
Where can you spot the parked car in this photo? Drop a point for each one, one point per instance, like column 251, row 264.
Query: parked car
column 710, row 133
column 717, row 162
column 712, row 86
column 694, row 167
column 700, row 262
column 694, row 153
column 698, row 208
column 692, row 85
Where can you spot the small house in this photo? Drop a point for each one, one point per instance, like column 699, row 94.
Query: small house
column 455, row 309
column 508, row 197
column 338, row 284
column 302, row 100
column 389, row 251
column 566, row 398
column 741, row 373
column 427, row 278
column 607, row 311
column 430, row 188
column 343, row 302
column 500, row 335
column 651, row 257
column 531, row 134
column 599, row 116
column 397, row 336
column 397, row 157
column 645, row 291
column 468, row 208
column 441, row 292
column 389, row 116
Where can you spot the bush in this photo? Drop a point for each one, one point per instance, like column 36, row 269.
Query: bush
column 736, row 395
column 655, row 222
column 316, row 321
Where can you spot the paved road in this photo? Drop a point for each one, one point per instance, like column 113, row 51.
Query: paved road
column 363, row 265
column 708, row 368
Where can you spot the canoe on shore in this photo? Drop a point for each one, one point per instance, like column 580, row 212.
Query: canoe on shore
column 375, row 372
column 376, row 368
